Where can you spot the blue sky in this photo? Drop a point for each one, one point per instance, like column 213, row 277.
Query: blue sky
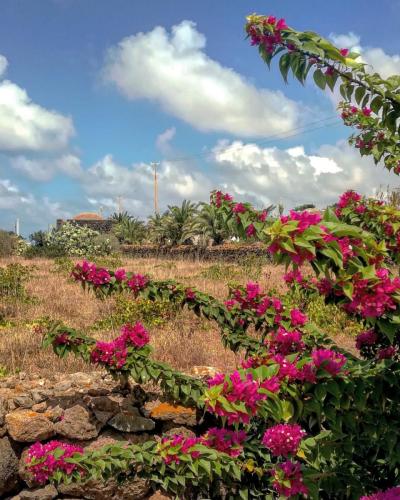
column 82, row 113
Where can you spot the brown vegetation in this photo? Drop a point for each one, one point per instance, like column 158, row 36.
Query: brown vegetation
column 184, row 341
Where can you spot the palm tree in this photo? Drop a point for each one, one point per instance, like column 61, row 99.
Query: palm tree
column 119, row 217
column 209, row 225
column 157, row 228
column 130, row 229
column 179, row 220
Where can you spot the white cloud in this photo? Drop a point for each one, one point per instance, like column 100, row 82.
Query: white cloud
column 25, row 125
column 381, row 62
column 164, row 139
column 174, row 71
column 107, row 180
column 3, row 65
column 272, row 175
column 45, row 168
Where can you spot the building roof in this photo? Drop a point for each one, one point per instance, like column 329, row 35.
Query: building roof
column 88, row 216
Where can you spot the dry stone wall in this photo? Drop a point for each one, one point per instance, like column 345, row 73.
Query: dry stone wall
column 89, row 409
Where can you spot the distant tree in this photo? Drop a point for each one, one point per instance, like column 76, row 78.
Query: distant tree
column 157, row 229
column 119, row 217
column 178, row 222
column 130, row 230
column 305, row 206
column 38, row 238
column 208, row 224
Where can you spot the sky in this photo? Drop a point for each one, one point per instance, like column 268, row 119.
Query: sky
column 93, row 91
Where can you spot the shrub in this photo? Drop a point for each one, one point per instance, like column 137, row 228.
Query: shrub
column 79, row 241
column 128, row 310
column 12, row 289
column 8, row 243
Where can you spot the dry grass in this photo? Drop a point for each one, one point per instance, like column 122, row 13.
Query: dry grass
column 184, row 342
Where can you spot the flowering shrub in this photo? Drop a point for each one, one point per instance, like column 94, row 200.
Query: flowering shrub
column 301, row 416
column 78, row 241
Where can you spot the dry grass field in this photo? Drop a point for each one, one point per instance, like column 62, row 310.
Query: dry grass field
column 183, row 341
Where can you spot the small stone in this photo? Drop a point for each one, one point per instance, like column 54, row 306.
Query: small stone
column 3, row 410
column 8, row 467
column 28, row 426
column 158, row 495
column 105, row 407
column 40, row 395
column 78, row 423
column 40, row 407
column 55, row 413
column 130, row 420
column 166, row 411
column 63, row 386
column 24, row 402
column 181, row 431
column 47, row 493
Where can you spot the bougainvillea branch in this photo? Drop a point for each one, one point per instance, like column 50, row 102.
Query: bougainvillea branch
column 378, row 99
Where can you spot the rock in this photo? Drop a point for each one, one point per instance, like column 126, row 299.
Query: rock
column 110, row 436
column 40, row 395
column 8, row 467
column 105, row 407
column 203, row 372
column 39, row 407
column 182, row 431
column 130, row 420
column 165, row 411
column 47, row 493
column 158, row 495
column 24, row 402
column 3, row 410
column 28, row 426
column 78, row 423
column 133, row 489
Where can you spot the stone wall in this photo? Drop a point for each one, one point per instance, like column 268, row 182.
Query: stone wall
column 86, row 408
column 226, row 253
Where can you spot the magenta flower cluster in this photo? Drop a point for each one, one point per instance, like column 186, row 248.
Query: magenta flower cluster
column 283, row 439
column 288, row 479
column 42, row 462
column 87, row 272
column 115, row 353
column 390, row 494
column 328, row 360
column 268, row 34
column 225, row 440
column 244, row 391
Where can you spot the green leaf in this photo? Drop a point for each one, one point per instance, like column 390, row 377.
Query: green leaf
column 319, row 79
column 284, row 65
column 359, row 94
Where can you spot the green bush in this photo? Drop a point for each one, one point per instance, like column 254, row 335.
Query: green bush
column 79, row 241
column 128, row 310
column 8, row 243
column 12, row 289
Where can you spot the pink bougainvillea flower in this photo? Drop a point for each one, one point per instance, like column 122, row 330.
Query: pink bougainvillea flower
column 328, row 360
column 344, row 52
column 283, row 439
column 288, row 479
column 391, row 494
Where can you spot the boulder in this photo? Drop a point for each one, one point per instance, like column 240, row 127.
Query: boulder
column 78, row 423
column 132, row 489
column 27, row 426
column 47, row 493
column 181, row 415
column 130, row 420
column 8, row 467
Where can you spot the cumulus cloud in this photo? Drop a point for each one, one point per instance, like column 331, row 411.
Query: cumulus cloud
column 294, row 177
column 106, row 180
column 25, row 125
column 45, row 168
column 34, row 212
column 385, row 64
column 173, row 70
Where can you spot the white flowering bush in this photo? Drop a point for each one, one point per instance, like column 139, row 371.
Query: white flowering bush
column 79, row 241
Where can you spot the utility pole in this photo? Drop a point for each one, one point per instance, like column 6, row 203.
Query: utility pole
column 17, row 226
column 119, row 204
column 155, row 165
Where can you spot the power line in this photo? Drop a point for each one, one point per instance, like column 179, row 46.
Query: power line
column 324, row 122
